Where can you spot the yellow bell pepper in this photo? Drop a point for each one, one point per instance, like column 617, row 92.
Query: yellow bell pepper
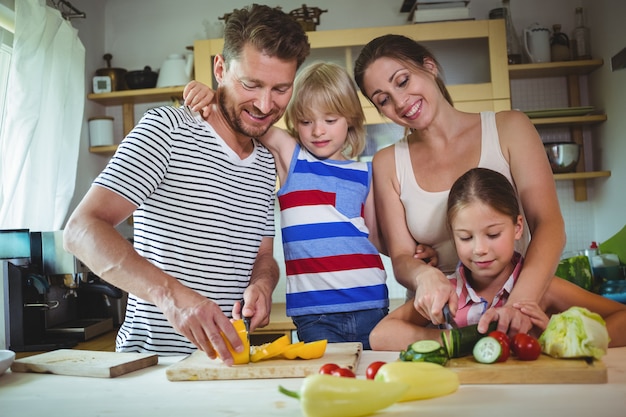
column 333, row 396
column 243, row 357
column 426, row 379
column 270, row 350
column 311, row 350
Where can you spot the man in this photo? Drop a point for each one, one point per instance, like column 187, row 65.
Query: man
column 202, row 196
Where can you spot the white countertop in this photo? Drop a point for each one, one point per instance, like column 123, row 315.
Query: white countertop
column 147, row 392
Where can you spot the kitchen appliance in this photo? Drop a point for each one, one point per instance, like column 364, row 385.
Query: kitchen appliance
column 116, row 75
column 176, row 70
column 537, row 43
column 51, row 299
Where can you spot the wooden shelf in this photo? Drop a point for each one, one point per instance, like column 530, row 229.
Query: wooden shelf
column 554, row 69
column 570, row 120
column 144, row 95
column 104, row 150
column 582, row 175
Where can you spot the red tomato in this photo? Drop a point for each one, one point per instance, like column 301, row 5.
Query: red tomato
column 504, row 343
column 345, row 372
column 373, row 368
column 328, row 368
column 526, row 347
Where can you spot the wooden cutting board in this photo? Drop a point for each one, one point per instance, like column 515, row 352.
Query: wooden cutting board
column 545, row 370
column 85, row 363
column 199, row 367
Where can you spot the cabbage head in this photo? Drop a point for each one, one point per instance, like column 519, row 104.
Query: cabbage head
column 574, row 333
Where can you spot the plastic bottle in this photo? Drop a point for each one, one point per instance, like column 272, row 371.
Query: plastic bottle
column 582, row 45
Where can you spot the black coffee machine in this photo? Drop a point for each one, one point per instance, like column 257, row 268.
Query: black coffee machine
column 53, row 300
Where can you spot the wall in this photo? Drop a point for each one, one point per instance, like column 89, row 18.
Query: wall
column 144, row 32
column 608, row 197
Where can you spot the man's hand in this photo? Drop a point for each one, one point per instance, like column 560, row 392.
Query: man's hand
column 202, row 322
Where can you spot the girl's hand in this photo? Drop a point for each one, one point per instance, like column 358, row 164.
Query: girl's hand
column 427, row 254
column 199, row 97
column 537, row 316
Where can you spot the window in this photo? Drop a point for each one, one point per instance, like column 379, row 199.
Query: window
column 6, row 48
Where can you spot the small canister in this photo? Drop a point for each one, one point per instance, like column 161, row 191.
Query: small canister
column 101, row 131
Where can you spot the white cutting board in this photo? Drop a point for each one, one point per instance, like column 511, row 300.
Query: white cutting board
column 199, row 367
column 85, row 363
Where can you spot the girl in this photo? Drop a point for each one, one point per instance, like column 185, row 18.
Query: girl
column 485, row 221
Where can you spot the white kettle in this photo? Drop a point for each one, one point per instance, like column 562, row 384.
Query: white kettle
column 176, row 70
column 537, row 43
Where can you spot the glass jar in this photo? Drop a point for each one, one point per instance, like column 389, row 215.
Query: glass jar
column 513, row 48
column 559, row 45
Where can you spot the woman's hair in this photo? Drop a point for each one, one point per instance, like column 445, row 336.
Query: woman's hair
column 399, row 48
column 327, row 88
column 484, row 186
column 267, row 29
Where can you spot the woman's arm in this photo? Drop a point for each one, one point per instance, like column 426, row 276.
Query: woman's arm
column 430, row 284
column 532, row 176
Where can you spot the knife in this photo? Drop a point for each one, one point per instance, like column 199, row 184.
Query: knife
column 448, row 316
column 246, row 322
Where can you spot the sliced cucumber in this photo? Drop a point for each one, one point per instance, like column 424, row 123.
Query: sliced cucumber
column 425, row 351
column 487, row 350
column 425, row 346
column 460, row 342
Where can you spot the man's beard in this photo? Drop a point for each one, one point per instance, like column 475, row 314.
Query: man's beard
column 235, row 121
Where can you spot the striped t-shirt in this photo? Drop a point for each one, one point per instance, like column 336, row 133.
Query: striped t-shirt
column 331, row 265
column 201, row 214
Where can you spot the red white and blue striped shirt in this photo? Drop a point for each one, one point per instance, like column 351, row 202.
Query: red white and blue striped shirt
column 331, row 265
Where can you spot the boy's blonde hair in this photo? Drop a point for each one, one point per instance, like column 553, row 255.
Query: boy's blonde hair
column 328, row 88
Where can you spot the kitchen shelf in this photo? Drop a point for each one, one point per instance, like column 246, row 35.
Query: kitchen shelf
column 143, row 95
column 572, row 70
column 569, row 120
column 128, row 98
column 554, row 69
column 104, row 150
column 582, row 175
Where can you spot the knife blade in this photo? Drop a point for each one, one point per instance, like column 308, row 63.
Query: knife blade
column 246, row 322
column 448, row 316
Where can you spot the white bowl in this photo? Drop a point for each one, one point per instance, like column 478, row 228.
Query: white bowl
column 6, row 359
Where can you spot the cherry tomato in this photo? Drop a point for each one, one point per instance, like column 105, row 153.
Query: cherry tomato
column 373, row 368
column 503, row 339
column 328, row 368
column 525, row 347
column 344, row 372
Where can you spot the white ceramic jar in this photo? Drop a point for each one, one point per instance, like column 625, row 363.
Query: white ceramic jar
column 101, row 131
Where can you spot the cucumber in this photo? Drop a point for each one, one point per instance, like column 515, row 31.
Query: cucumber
column 425, row 351
column 487, row 350
column 460, row 342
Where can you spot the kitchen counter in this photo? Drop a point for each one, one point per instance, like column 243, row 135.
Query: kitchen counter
column 147, row 392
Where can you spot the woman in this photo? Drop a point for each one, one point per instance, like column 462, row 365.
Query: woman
column 412, row 178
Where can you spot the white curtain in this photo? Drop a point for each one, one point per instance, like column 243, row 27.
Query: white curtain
column 39, row 141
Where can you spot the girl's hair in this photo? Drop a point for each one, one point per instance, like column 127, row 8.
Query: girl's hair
column 485, row 186
column 399, row 48
column 327, row 88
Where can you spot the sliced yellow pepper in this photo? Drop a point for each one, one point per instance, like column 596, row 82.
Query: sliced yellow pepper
column 311, row 350
column 243, row 357
column 270, row 350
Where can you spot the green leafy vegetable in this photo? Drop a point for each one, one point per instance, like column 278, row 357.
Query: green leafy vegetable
column 576, row 332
